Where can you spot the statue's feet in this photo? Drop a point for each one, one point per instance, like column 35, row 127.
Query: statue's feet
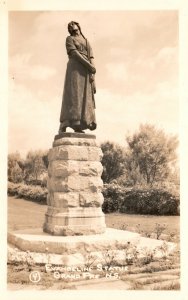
column 62, row 129
column 92, row 126
column 78, row 129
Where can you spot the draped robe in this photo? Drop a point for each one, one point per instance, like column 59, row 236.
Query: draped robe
column 78, row 104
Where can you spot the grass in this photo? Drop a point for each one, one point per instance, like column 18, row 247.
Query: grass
column 143, row 223
column 24, row 214
column 20, row 276
column 168, row 286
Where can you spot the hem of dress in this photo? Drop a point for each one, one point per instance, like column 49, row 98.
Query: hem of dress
column 83, row 125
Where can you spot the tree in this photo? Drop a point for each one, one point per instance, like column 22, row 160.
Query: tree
column 112, row 161
column 152, row 152
column 34, row 166
column 15, row 173
column 45, row 159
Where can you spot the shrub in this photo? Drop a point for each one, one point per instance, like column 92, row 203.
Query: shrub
column 29, row 192
column 113, row 195
column 139, row 201
column 13, row 188
column 150, row 201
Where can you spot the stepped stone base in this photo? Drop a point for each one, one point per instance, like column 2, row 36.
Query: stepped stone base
column 79, row 250
column 36, row 240
column 81, row 221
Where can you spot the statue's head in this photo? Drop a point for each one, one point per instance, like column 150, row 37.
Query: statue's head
column 72, row 26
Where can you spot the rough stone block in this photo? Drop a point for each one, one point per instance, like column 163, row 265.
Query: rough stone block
column 90, row 168
column 91, row 199
column 80, row 183
column 64, row 200
column 67, row 152
column 63, row 168
column 56, row 185
column 75, row 183
column 95, row 153
column 76, row 141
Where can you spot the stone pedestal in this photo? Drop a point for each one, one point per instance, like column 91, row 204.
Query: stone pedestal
column 80, row 250
column 74, row 186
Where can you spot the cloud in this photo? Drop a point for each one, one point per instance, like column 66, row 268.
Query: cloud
column 118, row 114
column 32, row 124
column 42, row 72
column 143, row 74
column 117, row 71
column 21, row 66
column 167, row 52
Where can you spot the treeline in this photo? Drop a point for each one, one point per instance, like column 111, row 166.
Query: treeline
column 150, row 159
column 31, row 171
column 140, row 177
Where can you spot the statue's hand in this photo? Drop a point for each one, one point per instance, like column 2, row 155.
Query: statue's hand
column 92, row 69
column 84, row 61
column 91, row 78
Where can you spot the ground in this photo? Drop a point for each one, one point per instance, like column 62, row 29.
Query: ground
column 26, row 214
column 148, row 274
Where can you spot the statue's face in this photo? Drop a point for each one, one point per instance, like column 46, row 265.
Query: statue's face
column 75, row 29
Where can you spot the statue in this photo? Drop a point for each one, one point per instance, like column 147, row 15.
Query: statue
column 78, row 103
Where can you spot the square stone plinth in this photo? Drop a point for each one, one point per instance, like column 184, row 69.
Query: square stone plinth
column 75, row 135
column 37, row 240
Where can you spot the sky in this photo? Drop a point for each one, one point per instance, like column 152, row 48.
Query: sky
column 136, row 57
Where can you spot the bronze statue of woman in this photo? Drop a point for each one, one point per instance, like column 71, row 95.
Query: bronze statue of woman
column 78, row 103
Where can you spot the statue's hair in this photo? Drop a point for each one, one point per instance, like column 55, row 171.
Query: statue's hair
column 70, row 25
